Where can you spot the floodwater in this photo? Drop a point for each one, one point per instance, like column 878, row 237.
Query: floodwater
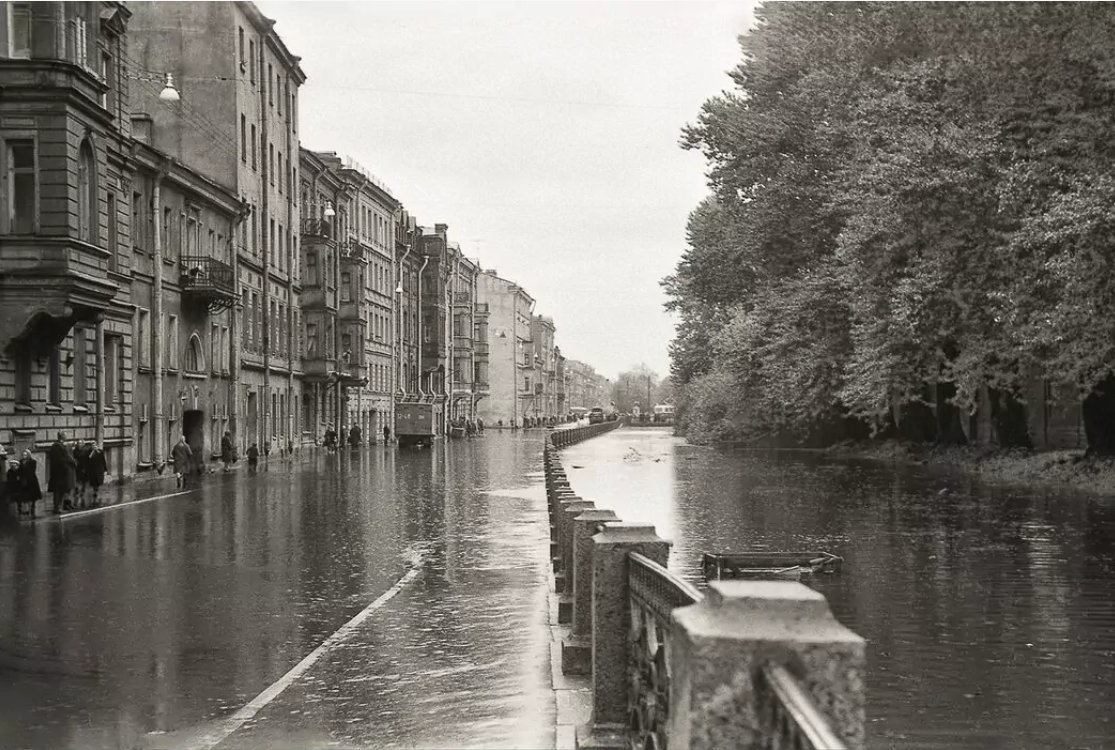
column 150, row 626
column 989, row 612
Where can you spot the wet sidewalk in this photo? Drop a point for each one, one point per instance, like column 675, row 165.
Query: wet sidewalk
column 459, row 656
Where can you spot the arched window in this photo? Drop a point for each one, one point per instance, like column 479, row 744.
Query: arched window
column 87, row 194
column 195, row 359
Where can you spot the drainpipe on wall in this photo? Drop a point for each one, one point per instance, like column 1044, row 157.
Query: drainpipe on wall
column 157, row 312
column 418, row 305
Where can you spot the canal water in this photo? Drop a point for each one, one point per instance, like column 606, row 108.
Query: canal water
column 989, row 612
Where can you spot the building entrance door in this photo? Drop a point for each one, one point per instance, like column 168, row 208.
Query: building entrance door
column 252, row 435
column 193, row 427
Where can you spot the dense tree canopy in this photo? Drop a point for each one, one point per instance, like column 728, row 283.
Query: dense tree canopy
column 902, row 195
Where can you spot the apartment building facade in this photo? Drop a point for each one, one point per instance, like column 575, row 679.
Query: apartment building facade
column 236, row 123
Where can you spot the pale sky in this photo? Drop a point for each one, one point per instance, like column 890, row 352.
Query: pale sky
column 545, row 134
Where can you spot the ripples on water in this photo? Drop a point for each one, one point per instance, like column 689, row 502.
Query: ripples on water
column 989, row 613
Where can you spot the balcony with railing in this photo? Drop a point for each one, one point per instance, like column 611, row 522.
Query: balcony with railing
column 316, row 229
column 209, row 281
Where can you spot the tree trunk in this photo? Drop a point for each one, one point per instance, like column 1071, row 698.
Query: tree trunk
column 950, row 430
column 1008, row 420
column 1099, row 418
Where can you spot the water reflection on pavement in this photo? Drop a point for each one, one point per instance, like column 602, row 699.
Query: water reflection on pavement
column 147, row 626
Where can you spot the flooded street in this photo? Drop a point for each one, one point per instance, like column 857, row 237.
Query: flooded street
column 149, row 626
column 989, row 613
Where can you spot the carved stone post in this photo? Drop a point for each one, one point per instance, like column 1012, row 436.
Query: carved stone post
column 718, row 652
column 576, row 650
column 611, row 628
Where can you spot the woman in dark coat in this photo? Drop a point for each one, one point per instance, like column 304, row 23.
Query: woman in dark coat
column 95, row 469
column 63, row 473
column 227, row 450
column 29, row 491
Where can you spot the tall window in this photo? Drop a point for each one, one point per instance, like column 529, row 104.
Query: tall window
column 195, row 360
column 215, row 347
column 19, row 30
column 311, row 339
column 280, row 171
column 253, row 146
column 54, row 378
column 346, row 287
column 23, row 378
column 311, row 268
column 143, row 338
column 23, row 197
column 252, row 60
column 243, row 139
column 112, row 366
column 113, row 233
column 246, row 321
column 243, row 57
column 80, row 41
column 137, row 220
column 270, row 85
column 87, row 194
column 81, row 341
column 172, row 342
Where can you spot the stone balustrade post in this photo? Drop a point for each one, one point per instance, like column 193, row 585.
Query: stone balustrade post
column 611, row 628
column 576, row 649
column 570, row 509
column 720, row 645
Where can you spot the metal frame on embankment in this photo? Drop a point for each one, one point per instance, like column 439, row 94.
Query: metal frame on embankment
column 746, row 664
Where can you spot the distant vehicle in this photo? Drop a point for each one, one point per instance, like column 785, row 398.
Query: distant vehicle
column 414, row 423
column 595, row 415
column 663, row 413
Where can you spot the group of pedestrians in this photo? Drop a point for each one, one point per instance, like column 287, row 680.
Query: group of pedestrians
column 74, row 476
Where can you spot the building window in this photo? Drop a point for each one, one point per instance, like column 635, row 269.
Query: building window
column 113, row 233
column 87, row 194
column 195, row 360
column 81, row 42
column 253, row 146
column 243, row 60
column 108, row 98
column 271, row 162
column 270, row 85
column 311, row 339
column 243, row 139
column 246, row 321
column 280, row 171
column 172, row 342
column 112, row 366
column 252, row 61
column 23, row 198
column 54, row 378
column 311, row 268
column 19, row 30
column 22, row 378
column 224, row 349
column 137, row 221
column 346, row 287
column 143, row 337
column 81, row 341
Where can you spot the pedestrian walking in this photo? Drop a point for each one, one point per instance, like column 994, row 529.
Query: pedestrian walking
column 29, row 490
column 96, row 468
column 181, row 455
column 386, row 434
column 10, row 483
column 228, row 450
column 354, row 435
column 63, row 473
column 81, row 472
column 253, row 458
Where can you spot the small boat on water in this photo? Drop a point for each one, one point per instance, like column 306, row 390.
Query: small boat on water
column 768, row 565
